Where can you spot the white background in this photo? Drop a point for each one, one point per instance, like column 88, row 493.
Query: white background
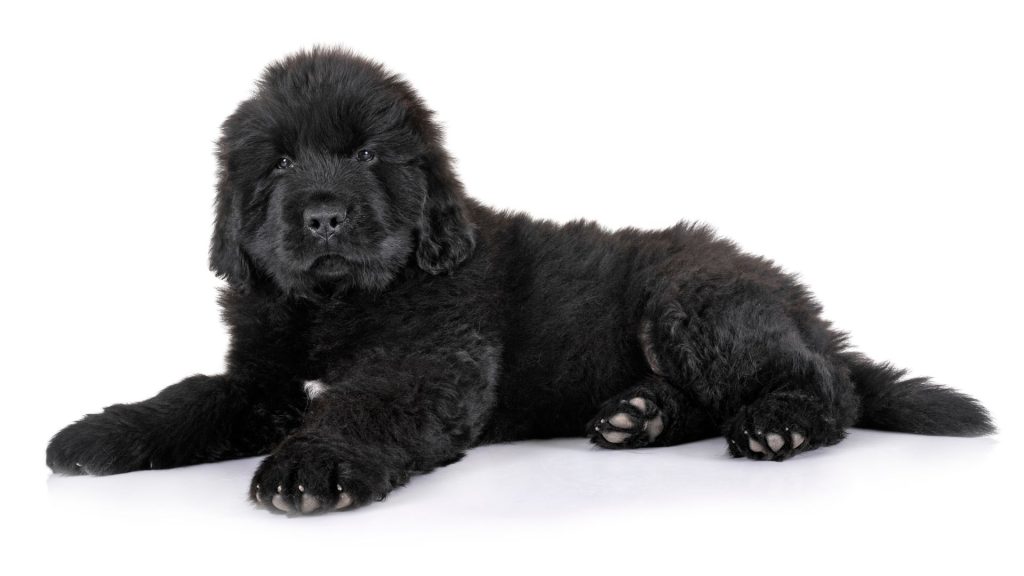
column 874, row 147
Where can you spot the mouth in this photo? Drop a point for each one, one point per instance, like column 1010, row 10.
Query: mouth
column 329, row 265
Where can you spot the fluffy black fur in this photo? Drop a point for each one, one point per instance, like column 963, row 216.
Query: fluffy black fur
column 432, row 324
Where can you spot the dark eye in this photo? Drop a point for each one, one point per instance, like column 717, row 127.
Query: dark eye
column 365, row 155
column 285, row 163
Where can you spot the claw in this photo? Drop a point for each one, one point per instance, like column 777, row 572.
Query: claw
column 775, row 442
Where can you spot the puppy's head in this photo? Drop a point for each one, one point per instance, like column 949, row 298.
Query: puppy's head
column 334, row 175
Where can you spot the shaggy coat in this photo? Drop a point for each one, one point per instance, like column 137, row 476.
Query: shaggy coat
column 382, row 323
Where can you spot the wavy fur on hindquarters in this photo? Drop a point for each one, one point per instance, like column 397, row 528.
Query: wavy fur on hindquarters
column 890, row 401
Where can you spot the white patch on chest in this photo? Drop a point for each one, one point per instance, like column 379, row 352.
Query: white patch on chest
column 314, row 388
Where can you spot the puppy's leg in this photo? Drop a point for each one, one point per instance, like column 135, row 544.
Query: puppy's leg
column 769, row 378
column 393, row 414
column 650, row 414
column 803, row 401
column 200, row 419
column 244, row 412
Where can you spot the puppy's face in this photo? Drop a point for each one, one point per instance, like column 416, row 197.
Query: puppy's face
column 333, row 175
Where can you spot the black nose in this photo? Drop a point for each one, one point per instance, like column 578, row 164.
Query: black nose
column 324, row 221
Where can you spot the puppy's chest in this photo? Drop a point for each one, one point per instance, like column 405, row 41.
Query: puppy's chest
column 342, row 332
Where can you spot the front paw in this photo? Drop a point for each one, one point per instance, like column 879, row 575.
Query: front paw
column 310, row 474
column 99, row 444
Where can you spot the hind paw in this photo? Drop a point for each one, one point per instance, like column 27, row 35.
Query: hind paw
column 780, row 426
column 627, row 423
column 767, row 445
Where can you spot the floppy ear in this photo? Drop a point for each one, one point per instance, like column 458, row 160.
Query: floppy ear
column 227, row 259
column 446, row 236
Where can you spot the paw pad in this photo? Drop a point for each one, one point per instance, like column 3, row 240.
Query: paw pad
column 776, row 442
column 311, row 475
column 782, row 424
column 630, row 423
column 768, row 445
column 302, row 501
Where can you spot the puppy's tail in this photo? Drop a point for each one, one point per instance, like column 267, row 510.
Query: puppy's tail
column 890, row 401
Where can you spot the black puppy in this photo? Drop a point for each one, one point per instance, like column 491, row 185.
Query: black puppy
column 383, row 323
